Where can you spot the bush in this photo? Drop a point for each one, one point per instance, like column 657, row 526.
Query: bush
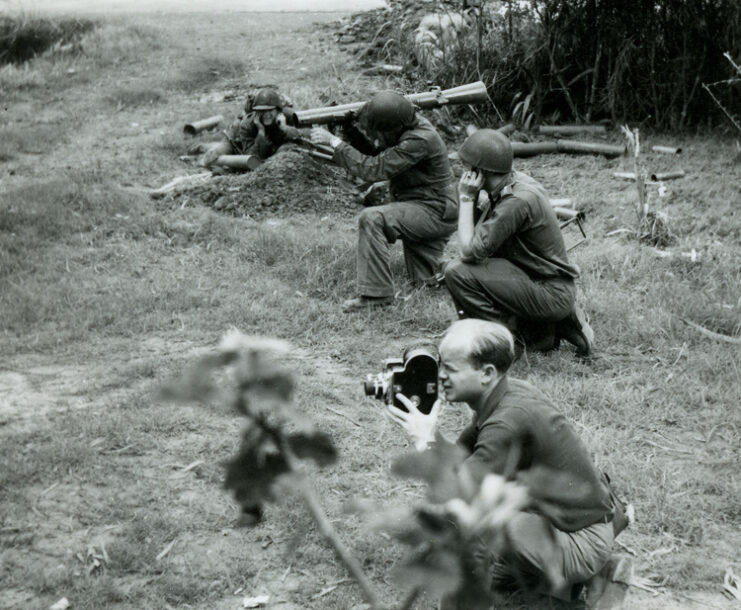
column 588, row 60
column 23, row 37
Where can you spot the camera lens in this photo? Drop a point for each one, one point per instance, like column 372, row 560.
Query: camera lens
column 369, row 386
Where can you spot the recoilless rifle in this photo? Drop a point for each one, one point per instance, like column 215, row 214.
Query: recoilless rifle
column 472, row 93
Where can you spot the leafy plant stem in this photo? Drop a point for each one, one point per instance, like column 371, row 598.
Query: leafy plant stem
column 325, row 528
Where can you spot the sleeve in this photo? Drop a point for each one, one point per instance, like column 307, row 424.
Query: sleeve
column 467, row 439
column 247, row 132
column 496, row 450
column 357, row 139
column 387, row 164
column 507, row 218
column 291, row 134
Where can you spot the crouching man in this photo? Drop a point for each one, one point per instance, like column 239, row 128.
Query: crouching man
column 407, row 151
column 515, row 432
column 513, row 266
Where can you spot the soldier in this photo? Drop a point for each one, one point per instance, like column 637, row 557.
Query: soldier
column 564, row 539
column 513, row 266
column 410, row 154
column 260, row 131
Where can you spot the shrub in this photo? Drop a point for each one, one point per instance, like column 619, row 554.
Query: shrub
column 587, row 60
column 22, row 37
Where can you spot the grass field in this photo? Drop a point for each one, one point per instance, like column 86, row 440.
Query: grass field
column 114, row 500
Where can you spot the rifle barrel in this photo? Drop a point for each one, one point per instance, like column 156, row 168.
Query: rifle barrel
column 471, row 93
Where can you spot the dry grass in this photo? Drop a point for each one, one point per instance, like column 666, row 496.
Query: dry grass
column 105, row 295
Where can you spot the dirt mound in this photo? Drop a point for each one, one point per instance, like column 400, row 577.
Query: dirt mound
column 288, row 182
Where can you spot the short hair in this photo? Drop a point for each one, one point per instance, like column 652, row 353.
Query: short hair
column 491, row 342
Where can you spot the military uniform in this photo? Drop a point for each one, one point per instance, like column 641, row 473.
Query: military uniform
column 423, row 213
column 246, row 139
column 518, row 272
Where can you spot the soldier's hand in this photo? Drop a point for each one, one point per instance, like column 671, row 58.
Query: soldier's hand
column 419, row 426
column 280, row 119
column 258, row 123
column 321, row 136
column 470, row 183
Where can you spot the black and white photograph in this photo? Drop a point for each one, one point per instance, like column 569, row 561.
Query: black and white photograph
column 370, row 304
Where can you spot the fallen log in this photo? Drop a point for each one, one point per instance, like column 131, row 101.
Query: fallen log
column 181, row 182
column 670, row 150
column 667, row 176
column 530, row 149
column 608, row 150
column 239, row 162
column 567, row 130
column 202, row 125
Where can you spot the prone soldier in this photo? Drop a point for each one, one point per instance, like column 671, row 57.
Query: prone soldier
column 260, row 131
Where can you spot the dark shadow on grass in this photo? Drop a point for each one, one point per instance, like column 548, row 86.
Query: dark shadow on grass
column 207, row 70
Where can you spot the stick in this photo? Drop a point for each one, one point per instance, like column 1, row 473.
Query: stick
column 166, row 550
column 347, row 417
column 179, row 182
column 326, row 529
column 711, row 334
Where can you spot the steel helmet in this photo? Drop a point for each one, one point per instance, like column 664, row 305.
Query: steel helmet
column 388, row 111
column 266, row 99
column 487, row 149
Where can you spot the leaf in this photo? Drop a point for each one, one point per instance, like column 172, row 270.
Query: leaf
column 254, row 470
column 528, row 121
column 434, row 570
column 196, row 383
column 526, row 107
column 437, row 467
column 317, row 446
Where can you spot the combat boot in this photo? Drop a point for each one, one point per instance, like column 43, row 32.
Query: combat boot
column 363, row 303
column 575, row 329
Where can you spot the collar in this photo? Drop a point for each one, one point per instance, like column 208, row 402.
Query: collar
column 492, row 401
column 506, row 190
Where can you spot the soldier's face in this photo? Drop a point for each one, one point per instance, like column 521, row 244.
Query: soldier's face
column 493, row 183
column 267, row 117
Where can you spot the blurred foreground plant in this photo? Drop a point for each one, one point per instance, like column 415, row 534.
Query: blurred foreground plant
column 445, row 532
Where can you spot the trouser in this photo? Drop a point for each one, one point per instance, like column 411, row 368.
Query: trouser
column 423, row 233
column 543, row 559
column 496, row 289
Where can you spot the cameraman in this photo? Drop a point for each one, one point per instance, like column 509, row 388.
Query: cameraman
column 516, row 431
